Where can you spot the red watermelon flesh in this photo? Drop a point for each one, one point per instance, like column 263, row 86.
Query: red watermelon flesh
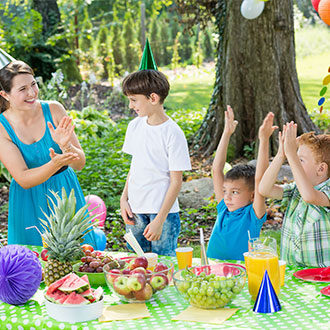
column 85, row 278
column 74, row 283
column 88, row 294
column 75, row 299
column 54, row 286
column 62, row 299
column 56, row 295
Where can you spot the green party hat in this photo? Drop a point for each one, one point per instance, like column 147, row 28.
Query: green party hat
column 5, row 58
column 147, row 60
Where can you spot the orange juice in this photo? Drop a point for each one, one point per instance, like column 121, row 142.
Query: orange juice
column 256, row 263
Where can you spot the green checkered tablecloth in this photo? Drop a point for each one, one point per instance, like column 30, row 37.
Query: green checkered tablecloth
column 303, row 307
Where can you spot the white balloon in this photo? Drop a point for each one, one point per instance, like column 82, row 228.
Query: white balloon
column 251, row 9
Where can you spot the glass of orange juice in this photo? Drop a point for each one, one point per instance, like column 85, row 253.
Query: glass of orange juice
column 262, row 257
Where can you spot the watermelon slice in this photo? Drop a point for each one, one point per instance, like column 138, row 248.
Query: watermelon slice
column 98, row 293
column 54, row 286
column 75, row 299
column 74, row 284
column 88, row 294
column 62, row 299
column 54, row 296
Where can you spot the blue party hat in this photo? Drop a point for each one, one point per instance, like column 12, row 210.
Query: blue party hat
column 267, row 300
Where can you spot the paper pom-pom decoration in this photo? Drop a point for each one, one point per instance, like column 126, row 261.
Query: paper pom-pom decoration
column 20, row 274
column 96, row 203
column 324, row 11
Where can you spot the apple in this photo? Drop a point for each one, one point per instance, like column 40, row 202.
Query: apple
column 144, row 294
column 136, row 282
column 139, row 270
column 126, row 271
column 113, row 274
column 120, row 285
column 129, row 295
column 87, row 247
column 160, row 267
column 158, row 281
column 44, row 255
column 138, row 262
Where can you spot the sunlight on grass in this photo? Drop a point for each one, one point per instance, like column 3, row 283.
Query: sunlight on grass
column 191, row 88
column 311, row 71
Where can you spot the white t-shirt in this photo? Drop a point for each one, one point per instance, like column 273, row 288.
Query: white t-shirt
column 156, row 150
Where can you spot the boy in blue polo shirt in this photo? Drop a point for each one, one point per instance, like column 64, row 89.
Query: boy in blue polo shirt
column 241, row 208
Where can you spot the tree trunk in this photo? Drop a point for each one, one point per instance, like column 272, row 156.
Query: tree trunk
column 255, row 73
column 50, row 15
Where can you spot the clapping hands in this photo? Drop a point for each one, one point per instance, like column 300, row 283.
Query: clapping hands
column 63, row 133
column 288, row 139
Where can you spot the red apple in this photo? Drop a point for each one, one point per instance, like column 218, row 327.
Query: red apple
column 160, row 267
column 136, row 282
column 139, row 270
column 87, row 247
column 44, row 255
column 120, row 285
column 144, row 294
column 113, row 274
column 138, row 262
column 158, row 281
column 126, row 271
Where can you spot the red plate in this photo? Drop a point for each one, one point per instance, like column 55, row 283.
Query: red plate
column 326, row 291
column 313, row 275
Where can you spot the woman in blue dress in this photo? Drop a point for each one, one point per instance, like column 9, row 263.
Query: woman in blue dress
column 40, row 150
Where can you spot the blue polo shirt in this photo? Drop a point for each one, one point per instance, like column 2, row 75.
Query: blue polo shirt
column 229, row 238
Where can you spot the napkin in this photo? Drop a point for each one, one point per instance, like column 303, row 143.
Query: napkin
column 215, row 316
column 124, row 312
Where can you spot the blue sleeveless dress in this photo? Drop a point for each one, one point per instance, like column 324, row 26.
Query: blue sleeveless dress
column 25, row 205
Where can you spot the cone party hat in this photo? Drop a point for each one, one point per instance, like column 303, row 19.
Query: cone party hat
column 147, row 60
column 267, row 300
column 5, row 58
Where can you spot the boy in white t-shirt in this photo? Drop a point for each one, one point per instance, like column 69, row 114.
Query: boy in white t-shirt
column 149, row 204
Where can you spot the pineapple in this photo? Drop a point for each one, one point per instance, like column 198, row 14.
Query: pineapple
column 63, row 232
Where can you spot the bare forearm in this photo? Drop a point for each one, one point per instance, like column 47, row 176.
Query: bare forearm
column 32, row 177
column 263, row 159
column 124, row 195
column 221, row 153
column 170, row 197
column 303, row 183
column 78, row 164
column 267, row 185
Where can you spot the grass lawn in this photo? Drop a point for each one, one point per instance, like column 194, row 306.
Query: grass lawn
column 191, row 88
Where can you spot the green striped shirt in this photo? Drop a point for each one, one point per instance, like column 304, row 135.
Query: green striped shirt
column 305, row 236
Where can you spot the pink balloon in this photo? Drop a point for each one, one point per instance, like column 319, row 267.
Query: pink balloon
column 100, row 208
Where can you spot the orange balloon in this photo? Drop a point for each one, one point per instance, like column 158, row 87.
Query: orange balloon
column 324, row 11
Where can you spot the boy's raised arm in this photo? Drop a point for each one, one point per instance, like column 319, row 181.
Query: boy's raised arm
column 221, row 153
column 267, row 186
column 306, row 189
column 265, row 131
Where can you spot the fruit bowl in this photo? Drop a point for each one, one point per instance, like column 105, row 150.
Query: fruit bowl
column 74, row 313
column 95, row 279
column 210, row 286
column 134, row 282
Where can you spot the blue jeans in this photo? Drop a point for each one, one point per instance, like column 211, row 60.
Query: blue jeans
column 168, row 241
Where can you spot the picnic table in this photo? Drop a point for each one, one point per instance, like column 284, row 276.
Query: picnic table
column 303, row 307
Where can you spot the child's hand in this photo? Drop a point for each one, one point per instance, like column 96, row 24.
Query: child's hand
column 126, row 212
column 230, row 123
column 267, row 128
column 290, row 144
column 154, row 230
